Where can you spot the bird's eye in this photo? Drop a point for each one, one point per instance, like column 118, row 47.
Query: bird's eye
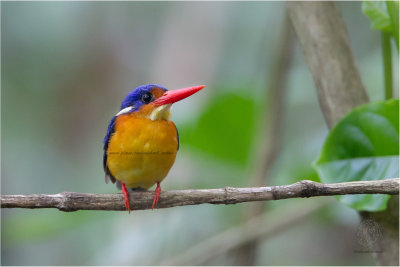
column 147, row 97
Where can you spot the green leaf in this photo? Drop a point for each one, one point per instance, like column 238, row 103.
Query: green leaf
column 364, row 145
column 393, row 10
column 378, row 14
column 225, row 129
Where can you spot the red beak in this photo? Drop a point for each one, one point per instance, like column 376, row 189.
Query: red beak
column 170, row 97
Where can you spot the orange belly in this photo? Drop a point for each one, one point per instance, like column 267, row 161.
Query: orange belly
column 141, row 151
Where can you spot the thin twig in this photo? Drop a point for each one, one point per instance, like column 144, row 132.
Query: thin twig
column 70, row 201
column 387, row 65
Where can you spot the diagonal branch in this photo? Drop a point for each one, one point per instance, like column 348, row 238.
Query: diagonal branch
column 326, row 46
column 261, row 226
column 70, row 201
column 271, row 134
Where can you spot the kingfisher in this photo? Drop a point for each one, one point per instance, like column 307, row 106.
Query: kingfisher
column 141, row 143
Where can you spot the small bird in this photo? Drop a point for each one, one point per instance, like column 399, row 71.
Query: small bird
column 141, row 141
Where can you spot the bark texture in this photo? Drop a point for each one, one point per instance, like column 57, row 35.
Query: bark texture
column 70, row 201
column 325, row 44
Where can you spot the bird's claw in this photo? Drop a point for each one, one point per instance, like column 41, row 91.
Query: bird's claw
column 156, row 195
column 126, row 198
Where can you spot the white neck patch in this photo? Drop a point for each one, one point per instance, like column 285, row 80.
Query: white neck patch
column 125, row 110
column 161, row 113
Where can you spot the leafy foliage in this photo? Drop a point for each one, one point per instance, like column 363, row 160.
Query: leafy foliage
column 393, row 9
column 378, row 14
column 384, row 16
column 363, row 146
column 225, row 129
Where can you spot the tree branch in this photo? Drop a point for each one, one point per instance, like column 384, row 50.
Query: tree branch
column 325, row 44
column 323, row 37
column 70, row 201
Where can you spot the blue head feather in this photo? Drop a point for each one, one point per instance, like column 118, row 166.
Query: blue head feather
column 133, row 98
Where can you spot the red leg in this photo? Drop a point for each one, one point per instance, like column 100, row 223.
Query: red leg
column 126, row 197
column 156, row 195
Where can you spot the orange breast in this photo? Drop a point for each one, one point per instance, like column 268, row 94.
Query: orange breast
column 141, row 151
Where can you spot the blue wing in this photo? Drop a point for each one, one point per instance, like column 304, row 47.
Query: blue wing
column 177, row 135
column 110, row 131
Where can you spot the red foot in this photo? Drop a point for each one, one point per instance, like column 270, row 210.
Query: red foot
column 156, row 195
column 126, row 198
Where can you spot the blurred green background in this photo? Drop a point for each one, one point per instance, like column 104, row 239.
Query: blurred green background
column 65, row 68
